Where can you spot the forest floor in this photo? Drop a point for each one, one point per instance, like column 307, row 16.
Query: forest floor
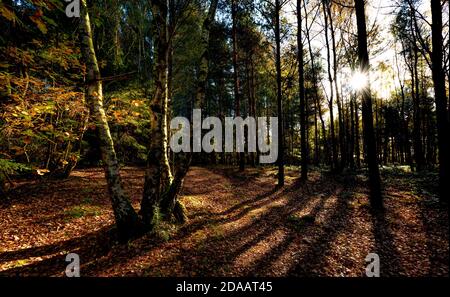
column 239, row 225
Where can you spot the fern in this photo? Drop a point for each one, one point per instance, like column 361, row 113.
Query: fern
column 9, row 167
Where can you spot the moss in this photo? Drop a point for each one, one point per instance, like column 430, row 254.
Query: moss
column 179, row 213
column 156, row 218
column 164, row 231
column 80, row 211
column 163, row 235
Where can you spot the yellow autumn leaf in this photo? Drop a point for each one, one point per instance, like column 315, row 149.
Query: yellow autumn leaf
column 42, row 171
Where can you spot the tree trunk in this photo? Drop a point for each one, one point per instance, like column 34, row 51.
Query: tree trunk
column 369, row 137
column 279, row 95
column 441, row 100
column 166, row 171
column 352, row 133
column 117, row 46
column 417, row 140
column 317, row 108
column 127, row 221
column 404, row 140
column 156, row 158
column 302, row 95
column 254, row 156
column 334, row 163
column 170, row 203
column 342, row 146
column 357, row 138
column 236, row 74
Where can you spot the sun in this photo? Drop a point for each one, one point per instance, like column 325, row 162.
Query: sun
column 358, row 81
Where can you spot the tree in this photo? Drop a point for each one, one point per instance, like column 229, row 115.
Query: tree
column 368, row 131
column 342, row 145
column 440, row 99
column 406, row 32
column 156, row 159
column 334, row 152
column 234, row 16
column 315, row 80
column 279, row 95
column 127, row 221
column 303, row 102
column 169, row 201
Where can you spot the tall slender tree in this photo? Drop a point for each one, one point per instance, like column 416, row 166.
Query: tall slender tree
column 301, row 89
column 169, row 201
column 367, row 114
column 342, row 146
column 237, row 98
column 279, row 94
column 440, row 100
column 127, row 221
column 334, row 164
column 317, row 104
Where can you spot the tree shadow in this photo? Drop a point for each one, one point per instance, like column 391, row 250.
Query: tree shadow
column 303, row 249
column 89, row 247
column 436, row 226
column 216, row 256
column 385, row 245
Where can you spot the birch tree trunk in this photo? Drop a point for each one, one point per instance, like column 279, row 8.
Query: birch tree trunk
column 157, row 158
column 170, row 203
column 127, row 221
